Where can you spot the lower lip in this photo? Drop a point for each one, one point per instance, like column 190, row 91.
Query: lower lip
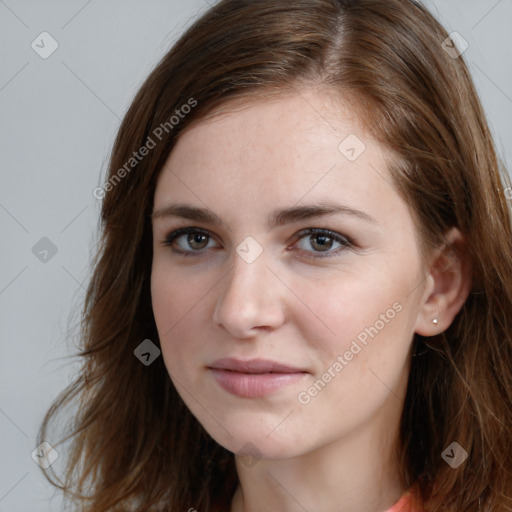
column 252, row 385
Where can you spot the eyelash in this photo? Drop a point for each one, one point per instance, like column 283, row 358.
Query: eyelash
column 346, row 243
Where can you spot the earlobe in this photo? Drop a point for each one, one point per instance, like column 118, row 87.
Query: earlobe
column 447, row 287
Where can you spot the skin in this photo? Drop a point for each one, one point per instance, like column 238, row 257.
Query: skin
column 336, row 451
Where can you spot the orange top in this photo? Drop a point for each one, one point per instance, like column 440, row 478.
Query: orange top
column 404, row 504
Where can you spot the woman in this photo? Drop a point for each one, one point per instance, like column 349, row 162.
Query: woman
column 303, row 295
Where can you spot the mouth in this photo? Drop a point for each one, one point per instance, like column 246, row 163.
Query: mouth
column 254, row 378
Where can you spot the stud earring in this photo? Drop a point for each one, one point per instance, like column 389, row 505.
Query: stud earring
column 435, row 321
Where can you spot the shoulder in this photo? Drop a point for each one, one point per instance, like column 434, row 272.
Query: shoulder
column 405, row 503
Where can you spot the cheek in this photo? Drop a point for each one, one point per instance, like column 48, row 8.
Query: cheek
column 360, row 341
column 360, row 346
column 342, row 308
column 176, row 293
column 177, row 301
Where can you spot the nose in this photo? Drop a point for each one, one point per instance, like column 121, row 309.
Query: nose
column 250, row 300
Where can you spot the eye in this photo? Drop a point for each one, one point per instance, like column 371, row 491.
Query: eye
column 321, row 240
column 196, row 238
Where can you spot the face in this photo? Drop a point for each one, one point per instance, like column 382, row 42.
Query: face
column 287, row 286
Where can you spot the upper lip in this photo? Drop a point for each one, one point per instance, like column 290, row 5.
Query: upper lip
column 253, row 366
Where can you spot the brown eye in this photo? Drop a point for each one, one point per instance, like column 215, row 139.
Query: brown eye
column 322, row 241
column 191, row 245
column 197, row 240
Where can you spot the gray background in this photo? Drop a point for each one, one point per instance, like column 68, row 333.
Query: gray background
column 58, row 120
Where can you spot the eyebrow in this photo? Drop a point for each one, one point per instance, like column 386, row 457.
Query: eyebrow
column 277, row 218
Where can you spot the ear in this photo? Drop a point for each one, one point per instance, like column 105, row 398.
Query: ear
column 448, row 285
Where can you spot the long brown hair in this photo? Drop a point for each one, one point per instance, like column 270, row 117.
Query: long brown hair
column 135, row 445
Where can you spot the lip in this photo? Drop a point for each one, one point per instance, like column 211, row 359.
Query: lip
column 255, row 377
column 253, row 366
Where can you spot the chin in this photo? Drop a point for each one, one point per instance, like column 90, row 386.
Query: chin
column 258, row 442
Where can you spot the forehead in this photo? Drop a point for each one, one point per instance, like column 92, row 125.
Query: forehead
column 254, row 155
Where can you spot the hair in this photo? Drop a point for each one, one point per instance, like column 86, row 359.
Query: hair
column 135, row 445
